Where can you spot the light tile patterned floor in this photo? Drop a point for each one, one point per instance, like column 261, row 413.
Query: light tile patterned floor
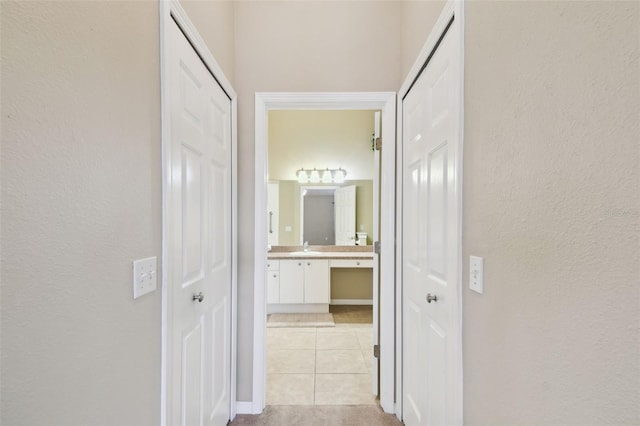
column 320, row 366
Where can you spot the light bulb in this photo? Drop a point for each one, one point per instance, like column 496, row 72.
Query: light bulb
column 326, row 176
column 302, row 175
column 315, row 176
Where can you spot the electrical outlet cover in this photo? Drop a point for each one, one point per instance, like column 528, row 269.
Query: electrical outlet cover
column 476, row 271
column 144, row 276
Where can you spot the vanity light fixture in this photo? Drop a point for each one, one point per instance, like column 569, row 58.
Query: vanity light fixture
column 339, row 175
column 303, row 176
column 325, row 176
column 314, row 176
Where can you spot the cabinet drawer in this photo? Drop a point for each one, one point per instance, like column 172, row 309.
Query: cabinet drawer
column 273, row 265
column 351, row 263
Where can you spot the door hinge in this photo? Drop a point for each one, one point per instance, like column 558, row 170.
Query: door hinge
column 376, row 351
column 376, row 247
column 378, row 144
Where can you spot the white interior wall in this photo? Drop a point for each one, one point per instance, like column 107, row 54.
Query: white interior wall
column 552, row 203
column 81, row 199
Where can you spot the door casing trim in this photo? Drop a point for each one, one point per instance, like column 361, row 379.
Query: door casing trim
column 386, row 102
column 171, row 10
column 453, row 10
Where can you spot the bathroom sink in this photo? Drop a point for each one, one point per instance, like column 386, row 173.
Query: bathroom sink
column 305, row 253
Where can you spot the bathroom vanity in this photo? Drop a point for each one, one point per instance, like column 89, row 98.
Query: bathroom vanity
column 300, row 282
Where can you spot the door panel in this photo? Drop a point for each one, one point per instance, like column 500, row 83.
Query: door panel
column 199, row 242
column 345, row 213
column 191, row 371
column 218, row 385
column 191, row 216
column 437, row 212
column 219, row 218
column 431, row 243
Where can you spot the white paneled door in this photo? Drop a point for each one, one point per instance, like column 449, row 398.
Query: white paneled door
column 198, row 241
column 431, row 144
column 345, row 210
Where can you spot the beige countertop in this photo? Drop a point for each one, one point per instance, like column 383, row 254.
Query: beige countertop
column 320, row 255
column 321, row 252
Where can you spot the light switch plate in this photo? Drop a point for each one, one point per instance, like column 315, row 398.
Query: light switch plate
column 476, row 270
column 144, row 276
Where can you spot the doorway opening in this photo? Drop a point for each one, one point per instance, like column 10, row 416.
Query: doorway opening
column 317, row 354
column 382, row 266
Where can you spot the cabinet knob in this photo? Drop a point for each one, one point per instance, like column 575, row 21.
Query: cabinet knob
column 274, row 275
column 308, row 263
column 299, row 263
column 358, row 263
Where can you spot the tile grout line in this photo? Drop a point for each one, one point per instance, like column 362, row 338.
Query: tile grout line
column 315, row 366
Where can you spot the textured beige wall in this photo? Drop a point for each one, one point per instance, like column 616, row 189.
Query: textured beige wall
column 81, row 198
column 287, row 214
column 418, row 18
column 215, row 20
column 320, row 139
column 364, row 208
column 300, row 46
column 551, row 201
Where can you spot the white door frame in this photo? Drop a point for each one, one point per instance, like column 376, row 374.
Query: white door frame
column 386, row 102
column 172, row 10
column 451, row 19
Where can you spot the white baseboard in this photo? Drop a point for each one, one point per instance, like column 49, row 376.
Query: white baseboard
column 352, row 301
column 244, row 407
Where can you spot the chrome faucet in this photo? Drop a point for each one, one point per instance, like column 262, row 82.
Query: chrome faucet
column 306, row 246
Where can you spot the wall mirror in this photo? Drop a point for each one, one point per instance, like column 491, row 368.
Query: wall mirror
column 333, row 203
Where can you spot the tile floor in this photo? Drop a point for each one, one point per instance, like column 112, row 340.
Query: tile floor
column 320, row 366
column 318, row 415
column 352, row 314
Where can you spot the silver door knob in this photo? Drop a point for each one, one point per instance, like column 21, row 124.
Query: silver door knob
column 199, row 297
column 431, row 298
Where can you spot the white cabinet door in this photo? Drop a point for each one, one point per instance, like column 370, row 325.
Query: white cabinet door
column 273, row 281
column 273, row 287
column 316, row 281
column 291, row 281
